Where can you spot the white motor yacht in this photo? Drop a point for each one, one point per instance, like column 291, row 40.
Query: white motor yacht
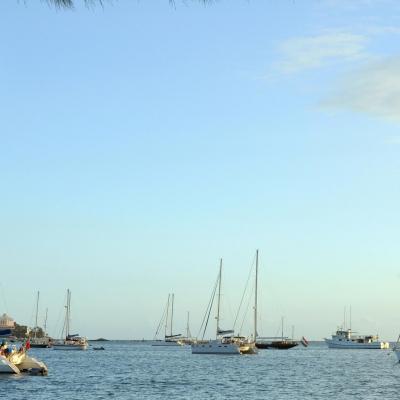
column 346, row 339
column 18, row 361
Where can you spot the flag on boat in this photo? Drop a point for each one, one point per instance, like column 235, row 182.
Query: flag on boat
column 304, row 341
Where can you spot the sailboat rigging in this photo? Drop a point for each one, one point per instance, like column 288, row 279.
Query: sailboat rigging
column 71, row 342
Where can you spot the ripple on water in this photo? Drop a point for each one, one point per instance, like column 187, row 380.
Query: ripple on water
column 129, row 370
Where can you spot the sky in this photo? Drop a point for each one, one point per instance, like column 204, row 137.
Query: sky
column 141, row 141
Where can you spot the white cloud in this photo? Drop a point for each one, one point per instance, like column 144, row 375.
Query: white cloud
column 316, row 51
column 373, row 90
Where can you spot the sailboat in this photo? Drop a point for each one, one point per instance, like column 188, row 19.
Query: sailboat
column 223, row 342
column 248, row 346
column 71, row 342
column 280, row 343
column 188, row 339
column 171, row 339
column 43, row 341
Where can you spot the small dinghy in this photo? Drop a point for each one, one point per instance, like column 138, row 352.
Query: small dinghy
column 99, row 348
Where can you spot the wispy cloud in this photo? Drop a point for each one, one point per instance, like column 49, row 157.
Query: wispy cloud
column 316, row 51
column 373, row 90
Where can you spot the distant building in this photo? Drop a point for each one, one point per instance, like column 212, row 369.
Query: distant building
column 6, row 322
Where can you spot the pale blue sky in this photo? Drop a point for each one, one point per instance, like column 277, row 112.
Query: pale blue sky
column 141, row 142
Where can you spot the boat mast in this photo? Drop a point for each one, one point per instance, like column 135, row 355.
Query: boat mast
column 255, row 299
column 187, row 326
column 350, row 318
column 67, row 322
column 282, row 328
column 219, row 295
column 172, row 311
column 45, row 322
column 37, row 310
column 166, row 317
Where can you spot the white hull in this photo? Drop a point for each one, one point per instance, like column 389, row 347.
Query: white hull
column 6, row 367
column 215, row 347
column 69, row 346
column 23, row 363
column 333, row 344
column 30, row 363
column 166, row 343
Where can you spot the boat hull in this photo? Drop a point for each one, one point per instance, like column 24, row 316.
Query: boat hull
column 215, row 347
column 166, row 343
column 22, row 363
column 333, row 344
column 70, row 347
column 40, row 346
column 279, row 345
column 32, row 365
column 6, row 367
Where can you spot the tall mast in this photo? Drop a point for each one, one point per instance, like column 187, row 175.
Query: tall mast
column 172, row 312
column 45, row 322
column 68, row 312
column 282, row 328
column 219, row 294
column 350, row 317
column 166, row 317
column 255, row 299
column 37, row 310
column 187, row 326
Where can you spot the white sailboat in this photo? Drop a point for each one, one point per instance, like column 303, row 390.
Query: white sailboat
column 171, row 339
column 43, row 341
column 248, row 346
column 71, row 342
column 222, row 344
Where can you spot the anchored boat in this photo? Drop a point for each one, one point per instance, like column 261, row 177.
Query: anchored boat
column 71, row 342
column 222, row 344
column 17, row 361
column 346, row 339
column 171, row 339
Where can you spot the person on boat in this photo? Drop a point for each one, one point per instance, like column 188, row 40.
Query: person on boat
column 3, row 348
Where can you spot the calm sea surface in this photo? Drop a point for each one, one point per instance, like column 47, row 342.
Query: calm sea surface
column 128, row 370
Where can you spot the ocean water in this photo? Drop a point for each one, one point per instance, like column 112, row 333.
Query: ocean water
column 130, row 370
